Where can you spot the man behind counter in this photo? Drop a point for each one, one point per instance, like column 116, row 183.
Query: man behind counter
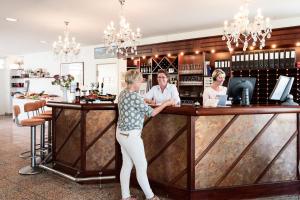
column 163, row 91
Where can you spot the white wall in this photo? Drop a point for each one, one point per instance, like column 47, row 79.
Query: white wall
column 3, row 88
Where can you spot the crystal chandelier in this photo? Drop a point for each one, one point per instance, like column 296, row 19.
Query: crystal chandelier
column 123, row 41
column 66, row 45
column 242, row 31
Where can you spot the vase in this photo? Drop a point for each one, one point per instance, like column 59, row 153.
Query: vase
column 64, row 93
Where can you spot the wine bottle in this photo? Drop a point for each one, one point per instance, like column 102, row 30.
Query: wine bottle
column 77, row 93
column 102, row 85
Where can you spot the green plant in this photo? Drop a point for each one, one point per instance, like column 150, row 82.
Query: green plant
column 63, row 81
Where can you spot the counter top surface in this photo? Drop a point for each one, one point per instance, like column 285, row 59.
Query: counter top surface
column 189, row 109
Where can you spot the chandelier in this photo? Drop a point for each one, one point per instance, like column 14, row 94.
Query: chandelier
column 66, row 45
column 124, row 40
column 244, row 32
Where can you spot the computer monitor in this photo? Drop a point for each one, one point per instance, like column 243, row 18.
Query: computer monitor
column 240, row 89
column 282, row 90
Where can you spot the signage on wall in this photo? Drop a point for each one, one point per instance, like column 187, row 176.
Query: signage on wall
column 100, row 53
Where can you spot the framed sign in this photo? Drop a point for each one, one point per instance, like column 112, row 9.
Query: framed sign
column 100, row 53
column 76, row 69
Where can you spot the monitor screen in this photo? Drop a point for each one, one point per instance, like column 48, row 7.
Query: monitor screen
column 236, row 86
column 282, row 88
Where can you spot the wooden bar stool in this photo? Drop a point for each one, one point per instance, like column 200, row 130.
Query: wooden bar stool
column 32, row 123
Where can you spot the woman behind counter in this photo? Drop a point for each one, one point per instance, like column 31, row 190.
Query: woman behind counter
column 132, row 110
column 211, row 93
column 163, row 91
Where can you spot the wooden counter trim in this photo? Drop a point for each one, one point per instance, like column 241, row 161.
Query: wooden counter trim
column 191, row 153
column 83, row 106
column 171, row 141
column 190, row 110
column 83, row 140
column 69, row 136
column 253, row 109
column 94, row 141
column 237, row 160
column 247, row 192
column 275, row 158
column 58, row 114
column 222, row 132
column 298, row 145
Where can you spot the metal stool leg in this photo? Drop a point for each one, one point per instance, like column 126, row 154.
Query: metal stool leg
column 42, row 142
column 49, row 136
column 33, row 168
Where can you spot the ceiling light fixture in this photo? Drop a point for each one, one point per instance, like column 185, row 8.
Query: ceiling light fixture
column 125, row 40
column 66, row 45
column 241, row 30
column 298, row 44
column 9, row 19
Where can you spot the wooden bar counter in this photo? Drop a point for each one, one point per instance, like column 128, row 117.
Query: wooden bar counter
column 193, row 153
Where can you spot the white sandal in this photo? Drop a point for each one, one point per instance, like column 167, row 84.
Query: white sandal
column 154, row 198
column 130, row 198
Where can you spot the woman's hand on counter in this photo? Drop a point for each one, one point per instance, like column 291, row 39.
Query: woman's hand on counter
column 162, row 106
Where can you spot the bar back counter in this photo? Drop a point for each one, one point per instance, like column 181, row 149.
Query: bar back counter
column 192, row 153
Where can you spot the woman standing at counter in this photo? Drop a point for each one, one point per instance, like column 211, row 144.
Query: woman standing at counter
column 163, row 91
column 216, row 88
column 132, row 110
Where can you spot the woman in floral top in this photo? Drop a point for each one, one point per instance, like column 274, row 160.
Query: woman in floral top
column 132, row 110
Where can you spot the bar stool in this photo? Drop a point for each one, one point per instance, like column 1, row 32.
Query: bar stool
column 47, row 112
column 30, row 109
column 48, row 118
column 32, row 123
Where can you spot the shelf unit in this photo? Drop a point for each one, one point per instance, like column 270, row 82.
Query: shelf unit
column 17, row 81
column 202, row 48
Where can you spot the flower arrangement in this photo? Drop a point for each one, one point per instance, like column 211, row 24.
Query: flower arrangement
column 63, row 81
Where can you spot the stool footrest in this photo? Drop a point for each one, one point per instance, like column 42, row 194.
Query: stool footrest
column 28, row 170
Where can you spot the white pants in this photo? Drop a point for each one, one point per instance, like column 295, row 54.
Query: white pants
column 133, row 153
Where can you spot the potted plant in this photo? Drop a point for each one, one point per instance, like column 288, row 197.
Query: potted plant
column 64, row 82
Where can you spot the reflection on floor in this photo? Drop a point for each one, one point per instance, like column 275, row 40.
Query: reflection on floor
column 46, row 185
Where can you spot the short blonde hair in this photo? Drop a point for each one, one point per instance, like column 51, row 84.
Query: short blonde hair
column 216, row 73
column 132, row 76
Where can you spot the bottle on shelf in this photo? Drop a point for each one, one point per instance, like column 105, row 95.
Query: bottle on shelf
column 77, row 93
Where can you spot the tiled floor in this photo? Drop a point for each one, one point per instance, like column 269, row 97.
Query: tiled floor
column 46, row 185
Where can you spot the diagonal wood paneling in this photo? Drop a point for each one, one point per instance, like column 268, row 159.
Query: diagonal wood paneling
column 201, row 122
column 100, row 137
column 165, row 142
column 227, row 149
column 263, row 151
column 68, row 129
column 246, row 149
column 285, row 167
column 267, row 168
column 206, row 129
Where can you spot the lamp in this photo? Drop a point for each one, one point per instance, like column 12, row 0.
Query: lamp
column 242, row 31
column 66, row 45
column 124, row 40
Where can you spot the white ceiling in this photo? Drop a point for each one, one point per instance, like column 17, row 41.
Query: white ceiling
column 43, row 19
